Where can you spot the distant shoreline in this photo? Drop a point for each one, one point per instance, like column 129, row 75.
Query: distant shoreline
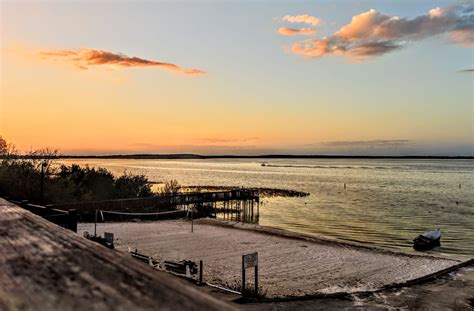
column 269, row 156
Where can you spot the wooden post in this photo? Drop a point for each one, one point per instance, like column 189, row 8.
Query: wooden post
column 72, row 220
column 42, row 183
column 200, row 272
column 251, row 203
column 246, row 211
column 256, row 280
column 243, row 276
column 95, row 224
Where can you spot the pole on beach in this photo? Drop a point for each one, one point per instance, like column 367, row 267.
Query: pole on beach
column 95, row 224
column 243, row 276
column 256, row 280
column 42, row 183
column 200, row 272
column 258, row 209
column 344, row 185
column 192, row 219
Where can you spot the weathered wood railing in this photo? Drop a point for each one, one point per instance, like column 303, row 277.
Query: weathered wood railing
column 64, row 218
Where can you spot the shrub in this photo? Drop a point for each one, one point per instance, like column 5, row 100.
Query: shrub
column 171, row 187
column 132, row 186
column 20, row 179
column 89, row 184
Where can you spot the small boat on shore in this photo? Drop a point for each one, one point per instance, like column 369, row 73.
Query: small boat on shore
column 427, row 240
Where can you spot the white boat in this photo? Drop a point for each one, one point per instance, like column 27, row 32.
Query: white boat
column 433, row 235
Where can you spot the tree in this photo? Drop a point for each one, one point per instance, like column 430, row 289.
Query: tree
column 34, row 177
column 132, row 186
column 43, row 158
column 171, row 187
column 3, row 146
column 89, row 184
column 7, row 150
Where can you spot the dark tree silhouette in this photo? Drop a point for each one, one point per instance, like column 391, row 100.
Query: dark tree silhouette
column 3, row 146
column 171, row 187
column 34, row 177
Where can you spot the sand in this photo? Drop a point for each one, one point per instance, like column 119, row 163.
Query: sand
column 288, row 266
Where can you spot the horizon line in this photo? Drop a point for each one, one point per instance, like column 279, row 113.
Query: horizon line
column 260, row 156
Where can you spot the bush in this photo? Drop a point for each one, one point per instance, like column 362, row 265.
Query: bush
column 89, row 184
column 129, row 185
column 21, row 179
column 171, row 187
column 3, row 146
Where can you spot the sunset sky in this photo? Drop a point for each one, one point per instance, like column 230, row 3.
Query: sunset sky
column 241, row 77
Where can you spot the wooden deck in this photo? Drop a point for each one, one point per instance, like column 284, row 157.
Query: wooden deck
column 46, row 267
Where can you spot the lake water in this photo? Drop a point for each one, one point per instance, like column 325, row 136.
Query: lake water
column 386, row 202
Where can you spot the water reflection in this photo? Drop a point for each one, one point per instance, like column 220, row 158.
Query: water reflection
column 387, row 202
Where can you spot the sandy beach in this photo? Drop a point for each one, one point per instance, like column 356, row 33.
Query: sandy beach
column 289, row 266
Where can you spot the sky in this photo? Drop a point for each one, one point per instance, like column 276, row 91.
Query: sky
column 370, row 77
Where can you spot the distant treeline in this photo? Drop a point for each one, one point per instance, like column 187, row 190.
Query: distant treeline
column 7, row 150
column 268, row 156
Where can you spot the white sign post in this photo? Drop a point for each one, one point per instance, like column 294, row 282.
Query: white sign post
column 249, row 261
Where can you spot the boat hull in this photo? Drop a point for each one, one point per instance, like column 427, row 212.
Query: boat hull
column 422, row 243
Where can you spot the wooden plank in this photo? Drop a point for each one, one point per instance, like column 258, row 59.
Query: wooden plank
column 46, row 267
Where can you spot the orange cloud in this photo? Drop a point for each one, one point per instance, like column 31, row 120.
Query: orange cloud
column 85, row 58
column 361, row 51
column 214, row 140
column 374, row 25
column 284, row 31
column 463, row 35
column 315, row 48
column 372, row 34
column 307, row 19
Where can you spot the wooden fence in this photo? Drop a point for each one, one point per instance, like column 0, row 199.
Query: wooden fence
column 64, row 218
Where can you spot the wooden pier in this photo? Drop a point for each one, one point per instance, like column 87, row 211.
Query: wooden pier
column 239, row 205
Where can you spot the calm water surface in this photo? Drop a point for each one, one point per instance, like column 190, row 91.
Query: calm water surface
column 387, row 202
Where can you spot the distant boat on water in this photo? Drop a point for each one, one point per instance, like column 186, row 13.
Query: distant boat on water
column 427, row 240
